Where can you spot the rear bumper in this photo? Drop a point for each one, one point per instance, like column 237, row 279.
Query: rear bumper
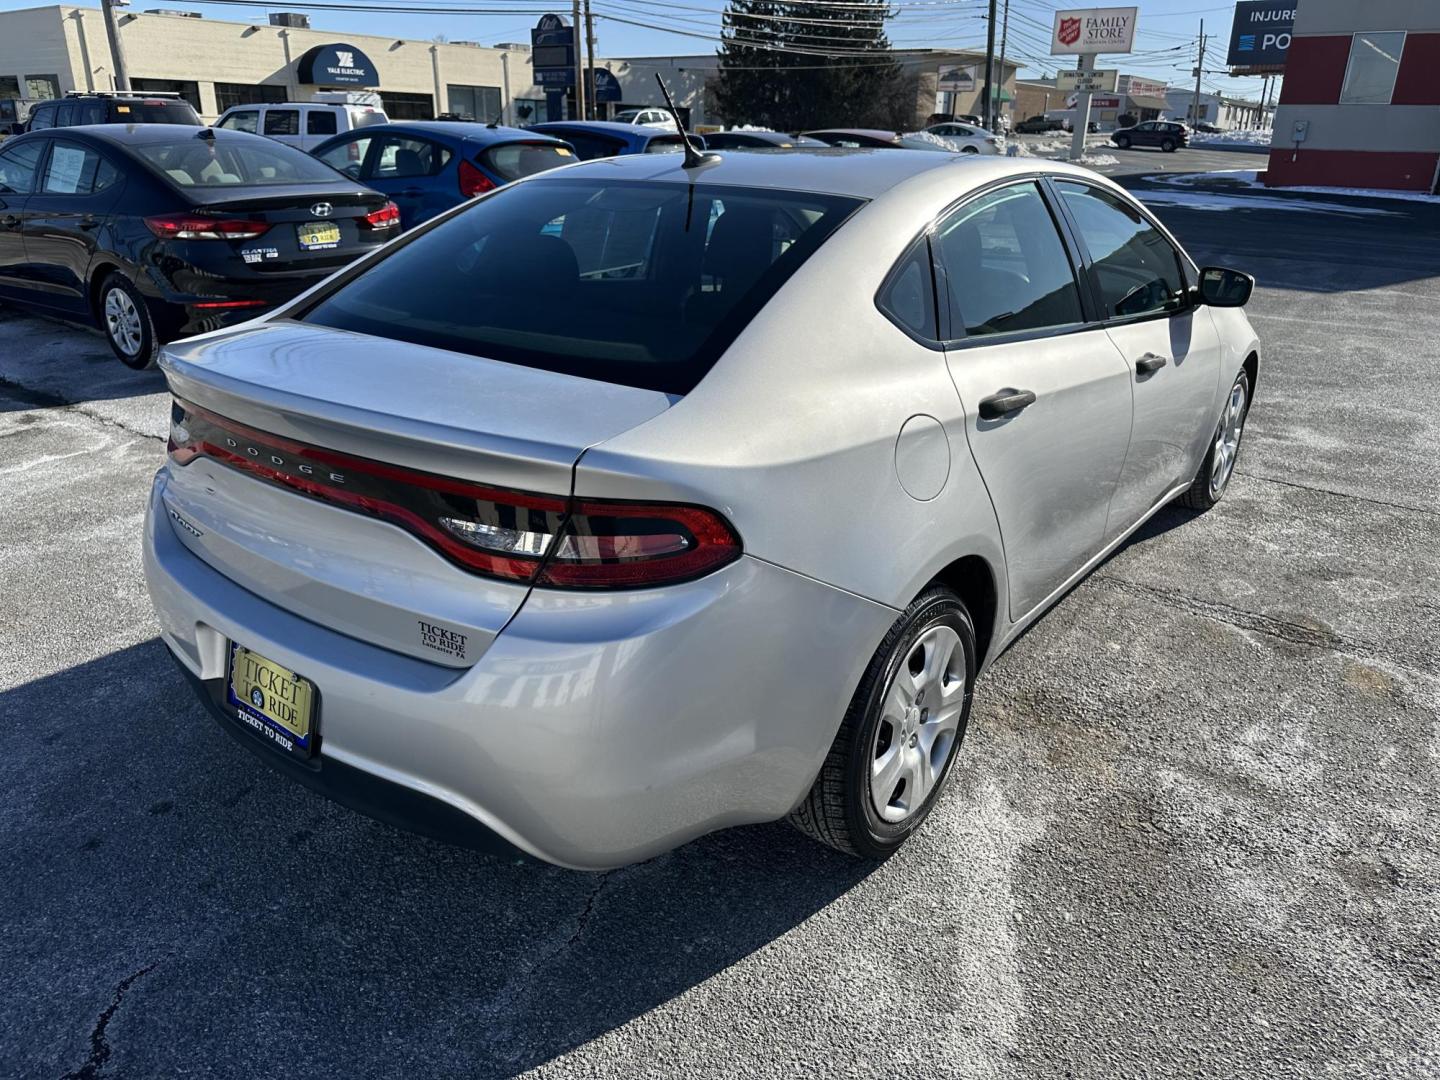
column 596, row 730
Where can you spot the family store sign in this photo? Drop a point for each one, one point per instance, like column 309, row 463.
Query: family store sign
column 1093, row 30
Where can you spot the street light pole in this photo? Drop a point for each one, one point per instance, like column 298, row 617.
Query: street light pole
column 1199, row 68
column 117, row 47
column 1004, row 37
column 577, row 46
column 590, row 63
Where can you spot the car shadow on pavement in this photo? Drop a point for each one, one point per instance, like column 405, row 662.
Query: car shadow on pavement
column 48, row 363
column 147, row 857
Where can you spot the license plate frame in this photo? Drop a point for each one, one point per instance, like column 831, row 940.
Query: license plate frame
column 318, row 235
column 297, row 736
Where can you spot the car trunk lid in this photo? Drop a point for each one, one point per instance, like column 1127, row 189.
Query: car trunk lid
column 324, row 439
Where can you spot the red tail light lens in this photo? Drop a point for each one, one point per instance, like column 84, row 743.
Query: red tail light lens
column 387, row 217
column 474, row 182
column 550, row 541
column 190, row 227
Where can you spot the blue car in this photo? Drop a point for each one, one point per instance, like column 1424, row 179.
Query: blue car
column 428, row 166
column 601, row 138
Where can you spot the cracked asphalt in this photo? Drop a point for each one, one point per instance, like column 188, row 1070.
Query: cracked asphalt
column 1193, row 834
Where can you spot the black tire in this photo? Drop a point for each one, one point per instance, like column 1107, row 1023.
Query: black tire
column 1203, row 493
column 968, row 150
column 1122, row 141
column 838, row 810
column 1168, row 145
column 148, row 347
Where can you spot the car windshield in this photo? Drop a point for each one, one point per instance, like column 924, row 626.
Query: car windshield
column 193, row 162
column 643, row 284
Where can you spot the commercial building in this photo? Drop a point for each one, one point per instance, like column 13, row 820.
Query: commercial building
column 1360, row 106
column 1228, row 114
column 49, row 51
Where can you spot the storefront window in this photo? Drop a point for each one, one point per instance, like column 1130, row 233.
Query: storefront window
column 481, row 102
column 408, row 106
column 529, row 110
column 42, row 86
column 1374, row 63
column 188, row 90
column 228, row 95
column 9, row 86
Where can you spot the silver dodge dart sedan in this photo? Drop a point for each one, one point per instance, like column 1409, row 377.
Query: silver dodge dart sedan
column 656, row 495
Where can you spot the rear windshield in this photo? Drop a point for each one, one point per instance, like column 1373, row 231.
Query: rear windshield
column 643, row 284
column 193, row 162
column 511, row 161
column 153, row 112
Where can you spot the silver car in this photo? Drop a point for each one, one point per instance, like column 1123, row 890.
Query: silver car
column 644, row 498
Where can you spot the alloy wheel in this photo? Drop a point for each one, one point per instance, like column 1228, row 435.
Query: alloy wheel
column 122, row 322
column 919, row 724
column 1227, row 440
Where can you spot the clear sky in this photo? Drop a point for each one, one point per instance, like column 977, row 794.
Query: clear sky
column 1165, row 45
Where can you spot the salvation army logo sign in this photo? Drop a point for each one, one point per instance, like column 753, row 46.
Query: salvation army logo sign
column 1091, row 31
column 1069, row 31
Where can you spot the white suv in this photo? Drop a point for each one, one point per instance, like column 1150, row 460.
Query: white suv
column 305, row 124
column 658, row 118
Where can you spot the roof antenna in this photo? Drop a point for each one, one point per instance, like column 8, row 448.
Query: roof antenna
column 493, row 124
column 693, row 157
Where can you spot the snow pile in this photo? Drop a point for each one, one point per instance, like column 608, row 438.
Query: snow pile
column 929, row 137
column 751, row 127
column 1099, row 159
column 1236, row 138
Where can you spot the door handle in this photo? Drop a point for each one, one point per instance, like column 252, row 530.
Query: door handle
column 9, row 221
column 1150, row 363
column 1004, row 403
column 89, row 222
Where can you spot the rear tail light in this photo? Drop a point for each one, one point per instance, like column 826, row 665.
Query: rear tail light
column 552, row 541
column 386, row 217
column 189, row 227
column 474, row 182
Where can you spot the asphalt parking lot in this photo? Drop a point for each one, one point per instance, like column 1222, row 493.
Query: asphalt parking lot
column 1194, row 833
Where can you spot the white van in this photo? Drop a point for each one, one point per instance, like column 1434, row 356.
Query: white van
column 305, row 124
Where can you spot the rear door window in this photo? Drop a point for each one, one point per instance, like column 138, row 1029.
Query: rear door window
column 76, row 170
column 282, row 122
column 643, row 284
column 397, row 156
column 1006, row 267
column 42, row 117
column 320, row 122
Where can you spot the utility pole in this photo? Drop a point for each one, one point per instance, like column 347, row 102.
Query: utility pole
column 1199, row 67
column 577, row 47
column 987, row 111
column 117, row 47
column 590, row 63
column 1004, row 37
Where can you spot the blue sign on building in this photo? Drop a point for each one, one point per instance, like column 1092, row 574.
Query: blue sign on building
column 552, row 52
column 337, row 65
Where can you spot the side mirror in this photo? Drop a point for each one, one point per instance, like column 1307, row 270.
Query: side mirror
column 1220, row 287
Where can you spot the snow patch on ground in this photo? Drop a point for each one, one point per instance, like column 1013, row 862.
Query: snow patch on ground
column 1205, row 200
column 1234, row 138
column 1248, row 178
column 1099, row 159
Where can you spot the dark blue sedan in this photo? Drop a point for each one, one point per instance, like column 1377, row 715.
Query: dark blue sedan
column 601, row 138
column 428, row 166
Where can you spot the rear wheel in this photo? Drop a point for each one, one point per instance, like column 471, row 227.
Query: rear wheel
column 1122, row 141
column 126, row 320
column 969, row 150
column 900, row 737
column 1218, row 467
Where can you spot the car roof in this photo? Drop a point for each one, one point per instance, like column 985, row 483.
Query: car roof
column 130, row 134
column 863, row 172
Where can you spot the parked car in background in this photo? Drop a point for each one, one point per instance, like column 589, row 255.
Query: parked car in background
column 118, row 108
column 545, row 529
column 13, row 114
column 967, row 138
column 757, row 140
column 305, row 124
column 1166, row 134
column 1038, row 125
column 427, row 166
column 651, row 117
column 856, row 137
column 156, row 231
column 604, row 138
column 1205, row 128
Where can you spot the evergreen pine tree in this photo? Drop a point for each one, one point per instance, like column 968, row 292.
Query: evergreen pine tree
column 795, row 65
